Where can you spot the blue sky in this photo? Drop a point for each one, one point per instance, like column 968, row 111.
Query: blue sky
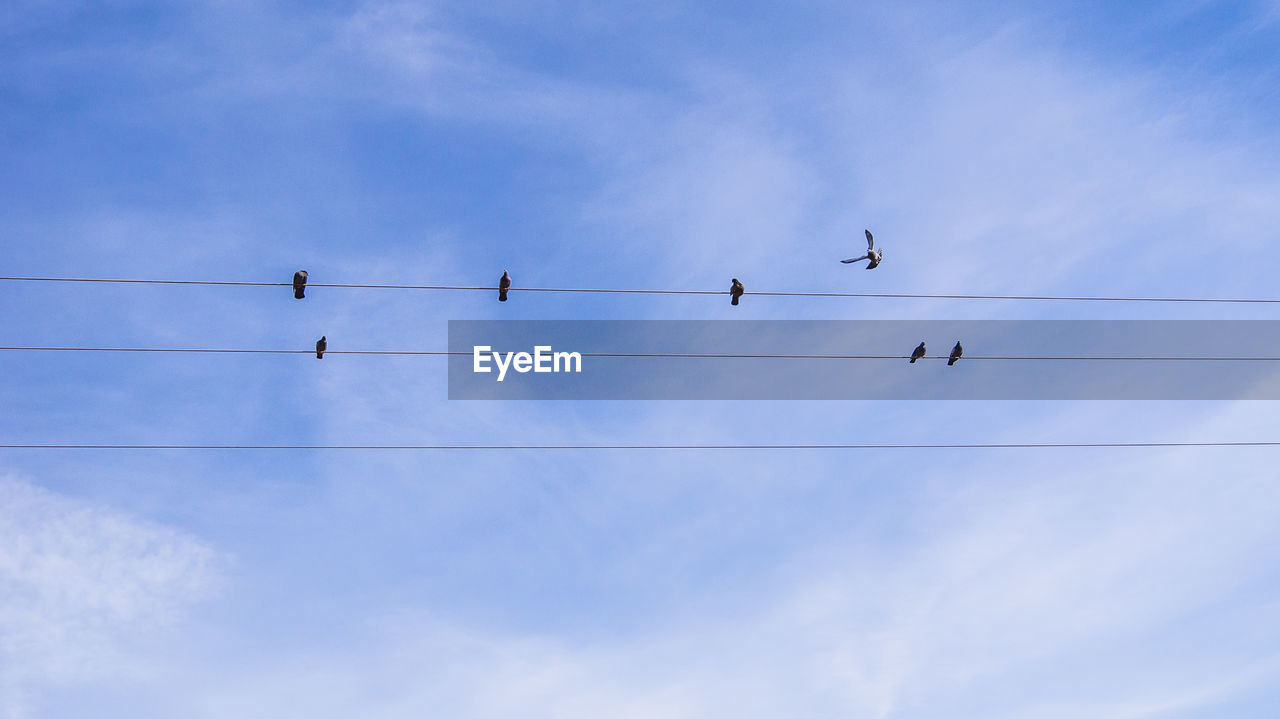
column 1073, row 148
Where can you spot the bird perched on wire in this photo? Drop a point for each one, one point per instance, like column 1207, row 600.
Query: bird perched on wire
column 918, row 352
column 299, row 284
column 322, row 344
column 504, row 284
column 955, row 354
column 872, row 254
column 736, row 291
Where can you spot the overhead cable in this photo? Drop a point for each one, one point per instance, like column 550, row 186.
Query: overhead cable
column 877, row 295
column 644, row 355
column 674, row 447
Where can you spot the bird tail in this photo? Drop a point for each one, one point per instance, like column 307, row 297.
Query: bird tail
column 298, row 292
column 502, row 295
column 734, row 301
column 952, row 361
column 913, row 360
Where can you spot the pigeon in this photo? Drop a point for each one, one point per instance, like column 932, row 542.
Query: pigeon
column 299, row 284
column 872, row 254
column 735, row 291
column 504, row 284
column 955, row 354
column 321, row 345
column 918, row 352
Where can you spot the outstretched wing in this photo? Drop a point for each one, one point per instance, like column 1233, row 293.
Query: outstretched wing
column 856, row 259
column 870, row 241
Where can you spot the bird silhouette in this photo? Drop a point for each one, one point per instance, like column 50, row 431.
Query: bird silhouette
column 872, row 254
column 955, row 354
column 736, row 291
column 321, row 345
column 504, row 284
column 299, row 284
column 918, row 352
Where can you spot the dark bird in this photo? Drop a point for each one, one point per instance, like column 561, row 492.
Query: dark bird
column 955, row 354
column 872, row 254
column 918, row 352
column 299, row 284
column 321, row 345
column 504, row 284
column 736, row 291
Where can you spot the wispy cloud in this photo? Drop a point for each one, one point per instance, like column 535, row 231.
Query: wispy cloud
column 987, row 161
column 579, row 584
column 80, row 586
column 984, row 595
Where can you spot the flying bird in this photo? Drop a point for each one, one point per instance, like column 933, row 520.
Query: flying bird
column 918, row 352
column 736, row 291
column 872, row 254
column 504, row 284
column 299, row 284
column 955, row 354
column 321, row 345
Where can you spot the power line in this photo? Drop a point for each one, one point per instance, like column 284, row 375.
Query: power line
column 196, row 350
column 643, row 355
column 873, row 295
column 144, row 282
column 674, row 447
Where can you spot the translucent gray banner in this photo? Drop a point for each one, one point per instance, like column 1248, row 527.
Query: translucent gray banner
column 863, row 359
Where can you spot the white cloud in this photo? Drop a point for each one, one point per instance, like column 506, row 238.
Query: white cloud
column 80, row 585
column 984, row 163
column 977, row 598
column 1045, row 167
